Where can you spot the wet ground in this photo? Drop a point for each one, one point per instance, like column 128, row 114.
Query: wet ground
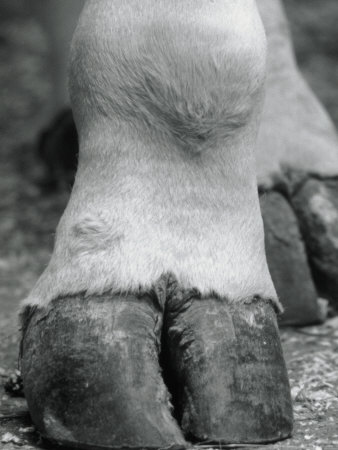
column 28, row 220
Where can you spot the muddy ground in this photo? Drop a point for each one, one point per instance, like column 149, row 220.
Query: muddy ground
column 28, row 219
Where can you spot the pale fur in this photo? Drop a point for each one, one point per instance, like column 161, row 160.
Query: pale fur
column 296, row 132
column 294, row 123
column 167, row 98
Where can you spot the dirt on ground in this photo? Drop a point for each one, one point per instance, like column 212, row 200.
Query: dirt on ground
column 29, row 218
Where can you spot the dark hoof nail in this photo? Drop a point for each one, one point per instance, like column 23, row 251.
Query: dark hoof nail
column 230, row 367
column 316, row 205
column 91, row 374
column 288, row 265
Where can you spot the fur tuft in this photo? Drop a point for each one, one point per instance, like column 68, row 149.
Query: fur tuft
column 186, row 75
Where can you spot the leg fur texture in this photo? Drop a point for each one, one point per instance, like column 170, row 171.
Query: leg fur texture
column 166, row 98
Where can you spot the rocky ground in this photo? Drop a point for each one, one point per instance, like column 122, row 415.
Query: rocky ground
column 28, row 220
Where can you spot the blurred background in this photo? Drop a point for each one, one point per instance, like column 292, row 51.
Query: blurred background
column 314, row 27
